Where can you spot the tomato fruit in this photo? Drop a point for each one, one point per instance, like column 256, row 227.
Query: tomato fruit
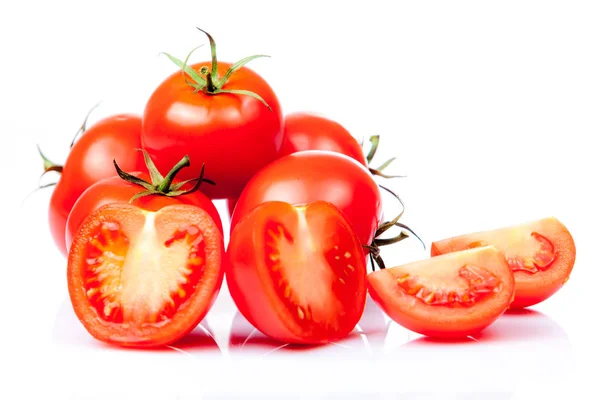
column 297, row 273
column 231, row 206
column 540, row 253
column 449, row 296
column 307, row 176
column 304, row 131
column 214, row 120
column 91, row 160
column 118, row 190
column 141, row 278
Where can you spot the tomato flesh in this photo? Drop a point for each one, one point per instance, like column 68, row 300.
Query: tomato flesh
column 139, row 278
column 540, row 253
column 297, row 273
column 479, row 283
column 454, row 295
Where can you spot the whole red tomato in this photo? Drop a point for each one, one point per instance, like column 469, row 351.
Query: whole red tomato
column 91, row 160
column 225, row 116
column 313, row 175
column 304, row 131
column 120, row 189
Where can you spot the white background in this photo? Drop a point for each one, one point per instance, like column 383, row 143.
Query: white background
column 491, row 108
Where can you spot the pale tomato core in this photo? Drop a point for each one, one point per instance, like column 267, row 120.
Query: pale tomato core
column 142, row 280
column 298, row 262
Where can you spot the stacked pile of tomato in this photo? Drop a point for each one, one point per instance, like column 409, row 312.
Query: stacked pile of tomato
column 133, row 212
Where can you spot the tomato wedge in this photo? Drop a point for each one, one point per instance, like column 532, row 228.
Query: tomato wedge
column 449, row 296
column 297, row 273
column 138, row 278
column 540, row 253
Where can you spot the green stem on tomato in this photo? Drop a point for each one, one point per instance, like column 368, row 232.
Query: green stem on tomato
column 49, row 165
column 207, row 80
column 162, row 186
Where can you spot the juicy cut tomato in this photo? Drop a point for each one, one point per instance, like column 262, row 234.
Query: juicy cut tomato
column 304, row 131
column 91, row 160
column 297, row 273
column 307, row 176
column 453, row 295
column 540, row 253
column 142, row 278
column 117, row 190
column 212, row 118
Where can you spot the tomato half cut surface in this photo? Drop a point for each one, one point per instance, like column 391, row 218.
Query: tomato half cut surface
column 450, row 296
column 540, row 253
column 297, row 273
column 140, row 279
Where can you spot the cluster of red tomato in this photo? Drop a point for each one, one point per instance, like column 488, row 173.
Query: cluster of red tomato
column 146, row 255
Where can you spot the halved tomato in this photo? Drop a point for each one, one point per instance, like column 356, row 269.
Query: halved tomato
column 541, row 254
column 297, row 273
column 139, row 278
column 453, row 295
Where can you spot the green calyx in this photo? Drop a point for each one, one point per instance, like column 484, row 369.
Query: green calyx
column 207, row 80
column 159, row 185
column 49, row 165
column 374, row 140
column 378, row 241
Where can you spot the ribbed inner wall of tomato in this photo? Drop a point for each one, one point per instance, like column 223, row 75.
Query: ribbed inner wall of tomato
column 305, row 273
column 142, row 281
column 540, row 250
column 476, row 284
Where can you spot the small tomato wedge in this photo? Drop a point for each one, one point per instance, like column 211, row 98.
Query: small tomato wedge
column 138, row 278
column 540, row 253
column 450, row 296
column 297, row 273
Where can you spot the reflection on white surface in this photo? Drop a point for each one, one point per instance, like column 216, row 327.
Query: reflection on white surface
column 68, row 331
column 521, row 346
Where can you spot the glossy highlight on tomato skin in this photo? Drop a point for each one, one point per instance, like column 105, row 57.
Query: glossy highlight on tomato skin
column 314, row 175
column 541, row 254
column 297, row 274
column 145, row 279
column 90, row 160
column 179, row 121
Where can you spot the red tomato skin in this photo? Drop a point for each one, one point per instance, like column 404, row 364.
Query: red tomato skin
column 91, row 160
column 233, row 135
column 304, row 131
column 313, row 175
column 116, row 190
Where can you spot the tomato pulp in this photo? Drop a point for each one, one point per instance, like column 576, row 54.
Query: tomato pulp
column 297, row 273
column 138, row 278
column 449, row 296
column 540, row 253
